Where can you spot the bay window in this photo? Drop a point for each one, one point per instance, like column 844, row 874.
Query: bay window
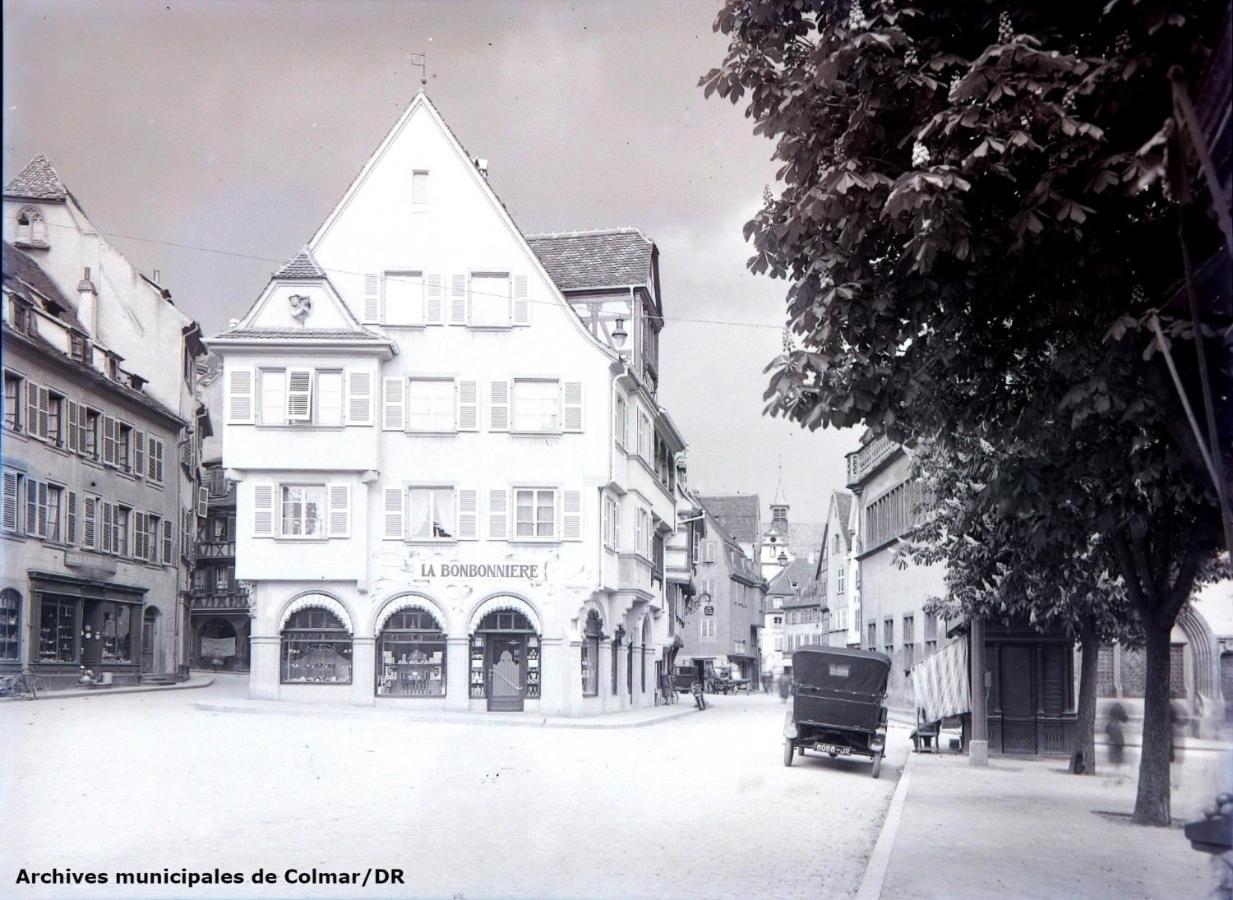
column 431, row 405
column 432, row 514
column 303, row 508
column 535, row 513
column 537, row 406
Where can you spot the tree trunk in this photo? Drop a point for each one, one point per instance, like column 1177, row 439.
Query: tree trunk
column 1152, row 804
column 1083, row 750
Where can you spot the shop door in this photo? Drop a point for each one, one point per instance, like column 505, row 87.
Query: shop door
column 148, row 635
column 1016, row 679
column 507, row 676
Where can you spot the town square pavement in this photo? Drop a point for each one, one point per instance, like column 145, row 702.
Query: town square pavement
column 700, row 805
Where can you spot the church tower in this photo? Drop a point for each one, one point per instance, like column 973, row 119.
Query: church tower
column 775, row 555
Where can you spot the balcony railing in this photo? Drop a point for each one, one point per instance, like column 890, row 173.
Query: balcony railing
column 219, row 600
column 216, row 549
column 863, row 461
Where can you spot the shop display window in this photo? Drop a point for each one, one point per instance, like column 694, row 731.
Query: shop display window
column 57, row 629
column 117, row 630
column 412, row 660
column 10, row 625
column 316, row 648
column 590, row 655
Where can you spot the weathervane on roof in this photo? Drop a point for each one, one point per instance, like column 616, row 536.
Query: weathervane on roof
column 420, row 58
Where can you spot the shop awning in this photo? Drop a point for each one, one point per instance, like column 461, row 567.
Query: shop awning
column 940, row 682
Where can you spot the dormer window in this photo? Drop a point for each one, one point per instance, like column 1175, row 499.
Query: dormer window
column 31, row 229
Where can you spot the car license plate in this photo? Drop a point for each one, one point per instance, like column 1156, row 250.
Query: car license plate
column 834, row 748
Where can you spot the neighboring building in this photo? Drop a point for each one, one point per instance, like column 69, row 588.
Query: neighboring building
column 111, row 319
column 93, row 497
column 740, row 516
column 835, row 573
column 723, row 626
column 802, row 605
column 455, row 481
column 682, row 554
column 219, row 613
column 785, row 541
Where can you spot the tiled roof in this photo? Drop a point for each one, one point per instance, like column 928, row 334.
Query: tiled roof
column 804, row 538
column 344, row 334
column 738, row 513
column 24, row 275
column 799, row 570
column 37, row 181
column 578, row 260
column 843, row 502
column 302, row 266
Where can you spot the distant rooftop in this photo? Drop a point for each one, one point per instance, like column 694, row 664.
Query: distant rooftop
column 738, row 513
column 580, row 260
column 37, row 181
column 301, row 266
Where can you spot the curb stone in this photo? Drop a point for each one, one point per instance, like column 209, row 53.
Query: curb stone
column 135, row 689
column 879, row 859
column 286, row 709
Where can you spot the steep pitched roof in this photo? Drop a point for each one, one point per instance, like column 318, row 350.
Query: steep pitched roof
column 37, row 181
column 578, row 260
column 25, row 276
column 302, row 266
column 738, row 513
column 799, row 571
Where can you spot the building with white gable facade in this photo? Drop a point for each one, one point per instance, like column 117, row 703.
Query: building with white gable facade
column 454, row 478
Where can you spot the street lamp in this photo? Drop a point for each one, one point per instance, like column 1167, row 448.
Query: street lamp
column 619, row 334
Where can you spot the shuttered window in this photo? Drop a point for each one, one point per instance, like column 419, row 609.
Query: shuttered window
column 393, row 404
column 70, row 518
column 109, row 441
column 72, row 417
column 12, row 512
column 263, row 510
column 240, row 406
column 403, row 298
column 431, row 405
column 141, row 546
column 372, row 298
column 340, row 510
column 468, row 405
column 468, row 514
column 168, row 550
column 155, row 459
column 490, row 300
column 571, row 515
column 392, row 512
column 299, row 395
column 139, row 454
column 498, row 406
column 498, row 514
column 89, row 522
column 458, row 300
column 359, row 397
column 571, row 405
column 522, row 301
column 434, row 313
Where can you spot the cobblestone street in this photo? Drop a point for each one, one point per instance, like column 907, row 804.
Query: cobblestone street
column 463, row 809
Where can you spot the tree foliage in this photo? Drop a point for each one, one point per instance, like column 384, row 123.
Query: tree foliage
column 975, row 224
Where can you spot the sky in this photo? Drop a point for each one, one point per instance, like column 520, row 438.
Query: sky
column 208, row 141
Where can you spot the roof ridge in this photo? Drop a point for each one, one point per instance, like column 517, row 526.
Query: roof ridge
column 616, row 229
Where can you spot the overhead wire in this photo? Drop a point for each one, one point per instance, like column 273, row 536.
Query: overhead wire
column 397, row 277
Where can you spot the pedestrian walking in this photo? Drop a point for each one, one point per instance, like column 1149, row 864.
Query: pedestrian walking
column 767, row 678
column 1115, row 717
column 785, row 687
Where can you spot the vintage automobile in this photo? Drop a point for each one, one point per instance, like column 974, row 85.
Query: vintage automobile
column 838, row 704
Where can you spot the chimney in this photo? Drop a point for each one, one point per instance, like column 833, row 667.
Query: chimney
column 87, row 304
column 157, row 278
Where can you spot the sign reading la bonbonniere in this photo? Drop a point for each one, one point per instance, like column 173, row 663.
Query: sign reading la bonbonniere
column 528, row 571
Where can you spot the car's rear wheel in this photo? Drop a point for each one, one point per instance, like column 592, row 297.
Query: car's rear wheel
column 788, row 750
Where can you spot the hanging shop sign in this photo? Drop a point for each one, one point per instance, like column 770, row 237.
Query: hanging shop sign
column 525, row 571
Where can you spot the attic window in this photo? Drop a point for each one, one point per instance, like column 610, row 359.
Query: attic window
column 31, row 229
column 419, row 188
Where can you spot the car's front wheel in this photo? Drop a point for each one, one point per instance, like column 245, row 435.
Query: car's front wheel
column 788, row 751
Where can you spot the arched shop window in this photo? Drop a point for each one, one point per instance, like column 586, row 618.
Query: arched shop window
column 412, row 647
column 316, row 648
column 591, row 637
column 10, row 625
column 506, row 621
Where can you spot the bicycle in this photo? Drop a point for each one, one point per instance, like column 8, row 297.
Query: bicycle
column 699, row 697
column 24, row 685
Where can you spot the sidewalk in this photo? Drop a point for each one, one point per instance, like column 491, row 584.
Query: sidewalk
column 633, row 718
column 1023, row 827
column 195, row 681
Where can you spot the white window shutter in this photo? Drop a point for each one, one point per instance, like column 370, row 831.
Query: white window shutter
column 392, row 512
column 522, row 302
column 571, row 515
column 44, row 407
column 299, row 395
column 340, row 510
column 32, row 409
column 240, row 406
column 89, row 522
column 203, row 501
column 72, row 427
column 156, row 459
column 458, row 300
column 571, row 406
column 32, row 507
column 468, row 514
column 393, row 406
column 498, row 514
column 11, row 513
column 139, row 454
column 359, row 397
column 498, row 406
column 70, row 517
column 372, row 298
column 109, row 440
column 435, row 311
column 468, row 406
column 263, row 510
column 168, row 549
column 139, row 535
column 108, row 545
